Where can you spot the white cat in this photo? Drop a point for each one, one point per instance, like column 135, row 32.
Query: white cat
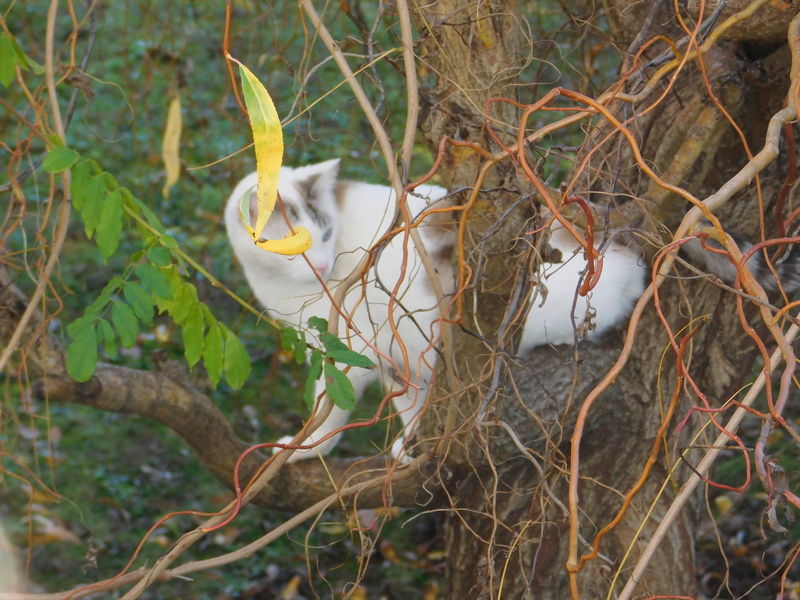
column 621, row 283
column 345, row 219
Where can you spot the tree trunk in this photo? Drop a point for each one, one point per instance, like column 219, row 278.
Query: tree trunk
column 507, row 530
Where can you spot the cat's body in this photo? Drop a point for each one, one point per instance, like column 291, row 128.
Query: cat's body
column 346, row 219
column 612, row 299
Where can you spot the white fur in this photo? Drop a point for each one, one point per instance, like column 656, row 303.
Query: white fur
column 620, row 285
column 9, row 573
column 292, row 293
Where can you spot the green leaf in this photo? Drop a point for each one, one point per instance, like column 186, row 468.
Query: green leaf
column 313, row 374
column 212, row 354
column 25, row 61
column 126, row 323
column 300, row 349
column 8, row 60
column 209, row 316
column 105, row 296
column 112, row 185
column 158, row 256
column 294, row 341
column 109, row 227
column 288, row 337
column 332, row 343
column 182, row 302
column 82, row 355
column 149, row 216
column 140, row 300
column 109, row 338
column 93, row 204
column 168, row 241
column 318, row 323
column 154, row 280
column 78, row 325
column 60, row 159
column 338, row 351
column 340, row 389
column 193, row 329
column 81, row 173
column 236, row 360
column 351, row 357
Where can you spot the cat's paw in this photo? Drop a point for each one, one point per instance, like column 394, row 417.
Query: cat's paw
column 319, row 450
column 400, row 452
column 297, row 454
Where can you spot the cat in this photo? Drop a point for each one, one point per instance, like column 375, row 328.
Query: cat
column 346, row 218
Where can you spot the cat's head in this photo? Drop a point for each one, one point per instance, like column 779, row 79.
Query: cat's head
column 308, row 197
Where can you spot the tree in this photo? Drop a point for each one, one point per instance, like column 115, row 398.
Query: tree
column 535, row 459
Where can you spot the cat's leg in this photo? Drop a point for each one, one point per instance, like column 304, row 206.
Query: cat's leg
column 336, row 420
column 408, row 406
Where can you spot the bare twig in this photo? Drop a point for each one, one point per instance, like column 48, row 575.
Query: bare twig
column 66, row 204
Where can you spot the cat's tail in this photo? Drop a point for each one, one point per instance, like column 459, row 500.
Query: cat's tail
column 784, row 273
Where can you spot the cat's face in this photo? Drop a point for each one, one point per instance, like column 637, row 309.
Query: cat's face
column 308, row 197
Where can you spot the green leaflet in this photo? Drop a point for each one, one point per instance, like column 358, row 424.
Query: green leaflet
column 182, row 302
column 80, row 179
column 92, row 206
column 340, row 389
column 109, row 339
column 82, row 355
column 109, row 225
column 212, row 354
column 193, row 329
column 126, row 324
column 236, row 360
column 339, row 352
column 59, row 159
column 154, row 280
column 140, row 300
column 288, row 338
column 313, row 375
column 158, row 256
column 75, row 328
column 8, row 61
column 318, row 323
column 295, row 342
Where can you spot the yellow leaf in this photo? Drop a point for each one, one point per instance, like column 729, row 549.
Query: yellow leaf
column 432, row 593
column 170, row 147
column 291, row 244
column 291, row 589
column 360, row 593
column 723, row 503
column 268, row 141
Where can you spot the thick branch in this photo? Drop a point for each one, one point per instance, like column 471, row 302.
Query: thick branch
column 192, row 415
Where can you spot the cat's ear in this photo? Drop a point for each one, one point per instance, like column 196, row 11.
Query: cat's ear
column 326, row 174
column 318, row 180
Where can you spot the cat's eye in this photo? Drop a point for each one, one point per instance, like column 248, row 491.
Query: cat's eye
column 327, row 235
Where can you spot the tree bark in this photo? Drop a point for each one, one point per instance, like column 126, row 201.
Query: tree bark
column 507, row 529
